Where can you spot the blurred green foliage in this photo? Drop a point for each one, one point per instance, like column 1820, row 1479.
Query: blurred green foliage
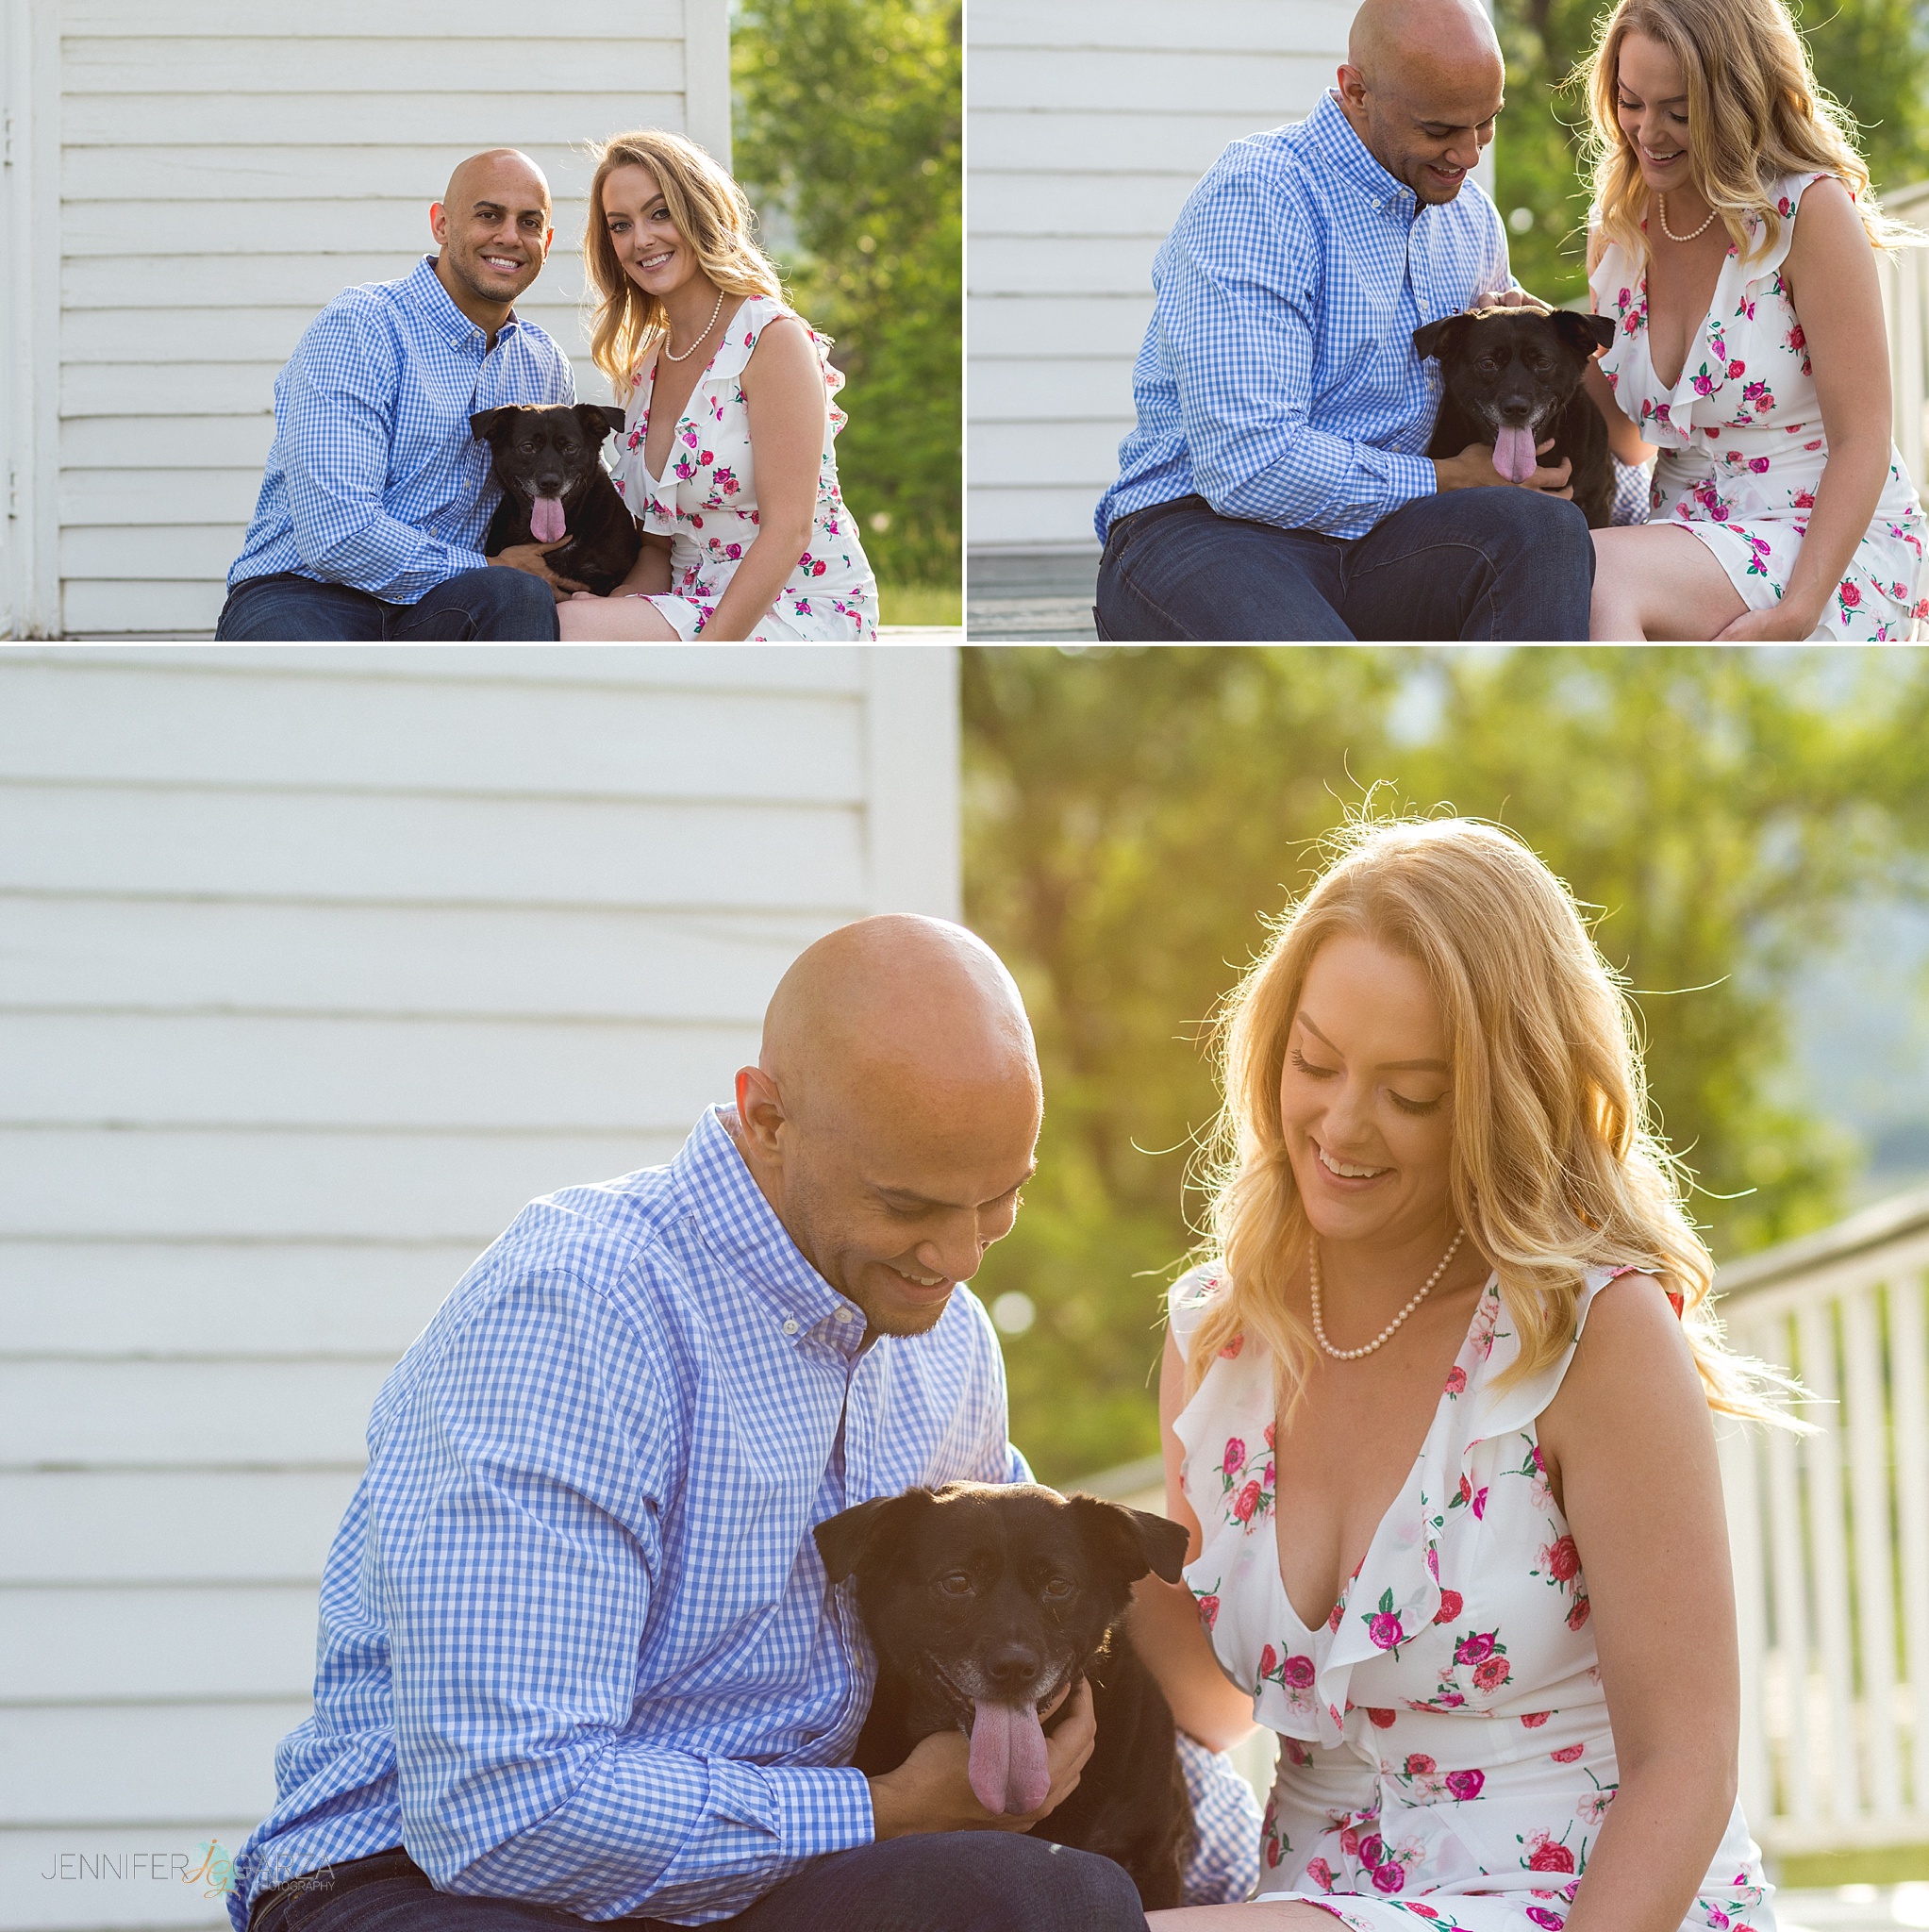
column 1872, row 55
column 849, row 117
column 1132, row 817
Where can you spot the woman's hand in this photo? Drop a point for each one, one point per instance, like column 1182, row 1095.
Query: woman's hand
column 1782, row 623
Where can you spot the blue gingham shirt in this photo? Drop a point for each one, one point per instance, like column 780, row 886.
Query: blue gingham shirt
column 374, row 479
column 1277, row 379
column 576, row 1645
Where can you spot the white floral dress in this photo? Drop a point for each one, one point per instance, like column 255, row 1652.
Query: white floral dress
column 1445, row 1757
column 1741, row 439
column 706, row 503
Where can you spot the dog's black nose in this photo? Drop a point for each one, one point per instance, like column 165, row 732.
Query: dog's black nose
column 1012, row 1667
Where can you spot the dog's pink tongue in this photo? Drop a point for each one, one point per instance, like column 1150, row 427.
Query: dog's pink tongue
column 1008, row 1769
column 1513, row 454
column 547, row 524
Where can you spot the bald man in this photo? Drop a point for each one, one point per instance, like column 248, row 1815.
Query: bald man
column 1275, row 486
column 376, row 495
column 578, row 1656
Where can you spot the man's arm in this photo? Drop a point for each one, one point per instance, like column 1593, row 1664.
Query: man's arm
column 1238, row 316
column 515, row 1544
column 337, row 424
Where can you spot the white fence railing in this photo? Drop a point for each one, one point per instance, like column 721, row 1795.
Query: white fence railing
column 1831, row 1536
column 1905, row 308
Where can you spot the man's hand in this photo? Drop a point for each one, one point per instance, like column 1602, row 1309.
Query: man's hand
column 931, row 1791
column 1507, row 298
column 1472, row 468
column 533, row 557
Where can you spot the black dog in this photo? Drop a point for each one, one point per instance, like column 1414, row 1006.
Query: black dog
column 1512, row 377
column 555, row 485
column 983, row 1601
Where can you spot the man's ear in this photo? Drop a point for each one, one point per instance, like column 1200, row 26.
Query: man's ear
column 599, row 419
column 485, row 422
column 847, row 1541
column 438, row 224
column 1432, row 338
column 1584, row 333
column 1129, row 1542
column 759, row 1109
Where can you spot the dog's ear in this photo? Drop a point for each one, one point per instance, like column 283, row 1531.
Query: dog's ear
column 847, row 1540
column 1130, row 1542
column 599, row 419
column 1433, row 338
column 485, row 422
column 1584, row 333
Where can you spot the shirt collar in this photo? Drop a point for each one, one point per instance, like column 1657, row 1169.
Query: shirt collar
column 1333, row 134
column 426, row 293
column 742, row 1229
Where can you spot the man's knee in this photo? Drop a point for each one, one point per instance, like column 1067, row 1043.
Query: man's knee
column 1007, row 1880
column 507, row 606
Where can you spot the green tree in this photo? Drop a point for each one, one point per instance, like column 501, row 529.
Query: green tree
column 1870, row 55
column 1133, row 817
column 850, row 120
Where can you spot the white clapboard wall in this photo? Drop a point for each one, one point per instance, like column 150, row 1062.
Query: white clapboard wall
column 1090, row 123
column 314, row 967
column 191, row 180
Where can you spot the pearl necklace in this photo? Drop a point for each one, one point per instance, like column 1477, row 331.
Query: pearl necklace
column 1352, row 1354
column 1661, row 209
column 719, row 309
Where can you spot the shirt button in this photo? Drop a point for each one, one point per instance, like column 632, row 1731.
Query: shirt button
column 789, row 1327
column 843, row 1314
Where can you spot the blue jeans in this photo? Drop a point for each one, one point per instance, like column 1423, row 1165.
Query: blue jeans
column 496, row 604
column 1469, row 564
column 954, row 1881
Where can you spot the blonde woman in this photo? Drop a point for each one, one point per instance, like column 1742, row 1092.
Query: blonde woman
column 726, row 459
column 1439, row 1423
column 1733, row 242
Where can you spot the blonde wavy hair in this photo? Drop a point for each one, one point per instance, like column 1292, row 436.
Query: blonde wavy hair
column 712, row 216
column 1755, row 112
column 1554, row 1167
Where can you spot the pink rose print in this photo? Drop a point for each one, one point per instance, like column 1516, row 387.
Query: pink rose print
column 1230, row 1352
column 1321, row 1873
column 1466, row 1490
column 1474, row 1648
column 1388, row 1877
column 1234, row 1458
column 1736, row 368
column 1465, row 1783
column 1380, row 1718
column 1385, row 1631
column 1297, row 1672
column 1803, row 499
column 705, row 457
column 1247, row 1501
column 1545, row 1855
column 1451, row 1604
column 801, row 606
column 688, row 436
column 1567, row 1754
column 1535, row 1719
column 1420, row 1765
column 696, row 522
column 1457, row 1379
column 1849, row 595
column 725, row 480
column 1549, row 1922
column 1563, row 1561
column 1718, row 1919
column 733, row 551
column 1491, row 1675
column 1349, row 1842
column 1371, row 1850
column 636, row 437
column 817, row 569
column 1479, row 1504
column 1269, row 1662
column 1209, row 1610
column 1757, row 464
column 1269, row 1445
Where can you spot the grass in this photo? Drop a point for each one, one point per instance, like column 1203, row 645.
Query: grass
column 921, row 604
column 1883, row 1865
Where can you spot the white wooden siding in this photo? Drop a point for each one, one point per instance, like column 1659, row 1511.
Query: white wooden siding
column 1090, row 123
column 315, row 966
column 216, row 170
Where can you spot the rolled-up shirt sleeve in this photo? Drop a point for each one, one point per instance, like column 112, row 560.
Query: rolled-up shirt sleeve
column 516, row 1540
column 335, row 429
column 1238, row 324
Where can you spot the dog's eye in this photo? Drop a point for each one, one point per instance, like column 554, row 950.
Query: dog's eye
column 1487, row 366
column 1057, row 1591
column 956, row 1584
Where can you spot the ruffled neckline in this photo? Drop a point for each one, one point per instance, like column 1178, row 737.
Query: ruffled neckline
column 1395, row 1594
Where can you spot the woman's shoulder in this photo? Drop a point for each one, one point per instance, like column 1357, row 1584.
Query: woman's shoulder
column 1191, row 1299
